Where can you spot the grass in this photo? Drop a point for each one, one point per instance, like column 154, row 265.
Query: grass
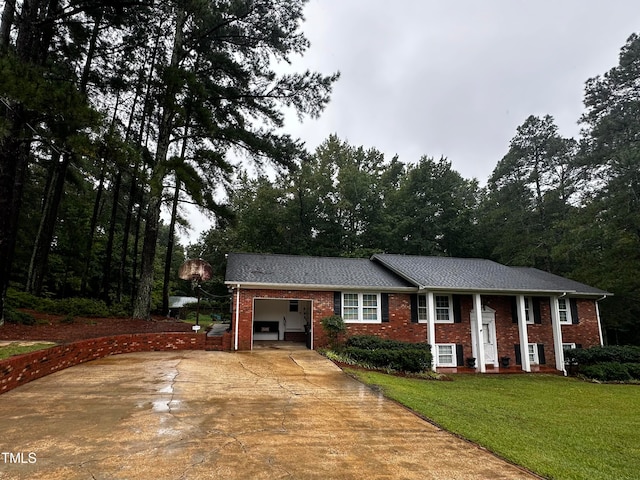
column 560, row 428
column 204, row 320
column 16, row 348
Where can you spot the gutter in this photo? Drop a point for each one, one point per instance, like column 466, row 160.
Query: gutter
column 324, row 288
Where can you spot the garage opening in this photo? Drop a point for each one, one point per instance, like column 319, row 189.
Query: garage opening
column 282, row 320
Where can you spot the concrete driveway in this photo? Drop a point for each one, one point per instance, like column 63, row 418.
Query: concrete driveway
column 271, row 413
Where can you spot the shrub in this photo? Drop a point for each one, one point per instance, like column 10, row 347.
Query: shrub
column 19, row 299
column 79, row 307
column 634, row 370
column 333, row 326
column 390, row 354
column 14, row 316
column 405, row 359
column 606, row 372
column 371, row 342
column 610, row 353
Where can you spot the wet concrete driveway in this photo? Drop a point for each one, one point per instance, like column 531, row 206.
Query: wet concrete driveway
column 269, row 414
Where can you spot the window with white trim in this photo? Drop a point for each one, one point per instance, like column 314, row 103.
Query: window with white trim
column 361, row 307
column 446, row 355
column 423, row 311
column 528, row 309
column 444, row 309
column 533, row 354
column 565, row 310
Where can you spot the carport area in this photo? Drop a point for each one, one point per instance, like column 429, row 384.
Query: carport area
column 272, row 413
column 277, row 319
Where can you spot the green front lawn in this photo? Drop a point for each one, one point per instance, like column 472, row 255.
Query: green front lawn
column 12, row 349
column 560, row 428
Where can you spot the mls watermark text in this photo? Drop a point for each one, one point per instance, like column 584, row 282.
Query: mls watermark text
column 18, row 457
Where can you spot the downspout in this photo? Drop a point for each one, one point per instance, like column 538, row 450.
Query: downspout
column 598, row 317
column 237, row 315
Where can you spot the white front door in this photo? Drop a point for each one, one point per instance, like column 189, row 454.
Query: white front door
column 489, row 338
column 488, row 335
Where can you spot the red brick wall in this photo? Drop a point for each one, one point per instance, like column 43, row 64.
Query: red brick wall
column 21, row 369
column 400, row 327
column 585, row 333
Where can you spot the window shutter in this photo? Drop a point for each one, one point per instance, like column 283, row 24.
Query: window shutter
column 384, row 301
column 578, row 345
column 414, row 307
column 574, row 311
column 518, row 355
column 457, row 309
column 541, row 358
column 337, row 303
column 514, row 310
column 459, row 356
column 537, row 315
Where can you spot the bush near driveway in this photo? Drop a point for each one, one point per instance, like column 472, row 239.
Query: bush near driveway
column 389, row 354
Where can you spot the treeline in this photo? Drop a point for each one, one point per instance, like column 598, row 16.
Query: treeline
column 567, row 206
column 111, row 111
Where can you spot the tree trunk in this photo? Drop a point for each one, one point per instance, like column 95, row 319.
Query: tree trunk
column 13, row 167
column 92, row 230
column 14, row 150
column 136, row 243
column 170, row 244
column 44, row 237
column 84, row 80
column 8, row 15
column 142, row 304
column 106, row 273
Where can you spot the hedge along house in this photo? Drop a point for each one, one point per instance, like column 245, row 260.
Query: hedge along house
column 465, row 308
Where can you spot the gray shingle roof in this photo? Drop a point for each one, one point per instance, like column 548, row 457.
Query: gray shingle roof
column 478, row 275
column 563, row 283
column 395, row 272
column 292, row 270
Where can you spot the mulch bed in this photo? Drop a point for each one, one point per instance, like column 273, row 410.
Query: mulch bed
column 54, row 329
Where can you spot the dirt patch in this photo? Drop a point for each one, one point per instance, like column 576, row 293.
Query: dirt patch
column 54, row 328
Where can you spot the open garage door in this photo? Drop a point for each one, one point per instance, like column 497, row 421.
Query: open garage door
column 284, row 320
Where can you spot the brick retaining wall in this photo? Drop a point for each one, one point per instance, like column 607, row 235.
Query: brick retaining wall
column 21, row 369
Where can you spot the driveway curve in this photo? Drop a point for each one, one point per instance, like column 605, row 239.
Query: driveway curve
column 266, row 414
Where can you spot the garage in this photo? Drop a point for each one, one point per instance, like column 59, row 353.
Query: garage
column 282, row 320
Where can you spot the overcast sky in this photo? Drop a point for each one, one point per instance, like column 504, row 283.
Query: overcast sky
column 455, row 78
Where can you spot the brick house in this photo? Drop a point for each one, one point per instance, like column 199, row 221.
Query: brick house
column 465, row 308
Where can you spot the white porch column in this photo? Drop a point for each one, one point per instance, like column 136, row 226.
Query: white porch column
column 557, row 334
column 599, row 323
column 479, row 335
column 235, row 346
column 524, row 335
column 431, row 328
